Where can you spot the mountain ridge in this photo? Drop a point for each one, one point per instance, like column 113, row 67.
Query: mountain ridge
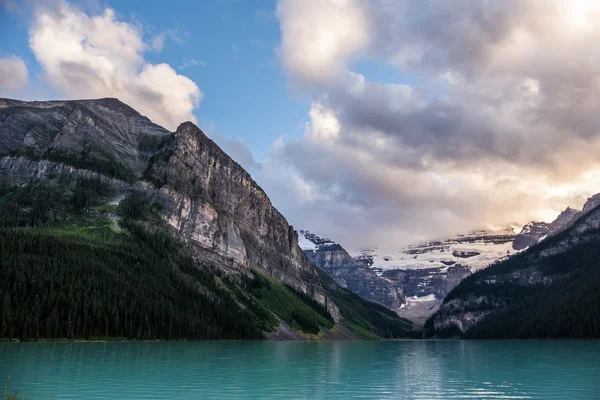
column 551, row 290
column 189, row 187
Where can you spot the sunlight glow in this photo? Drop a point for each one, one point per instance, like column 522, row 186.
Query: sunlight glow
column 579, row 13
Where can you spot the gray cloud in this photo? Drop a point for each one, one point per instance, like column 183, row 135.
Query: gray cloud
column 13, row 75
column 501, row 125
column 236, row 148
column 239, row 151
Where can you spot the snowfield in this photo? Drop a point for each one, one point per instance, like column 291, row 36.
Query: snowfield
column 306, row 244
column 476, row 250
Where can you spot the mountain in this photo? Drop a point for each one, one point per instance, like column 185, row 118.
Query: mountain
column 551, row 290
column 474, row 250
column 412, row 281
column 180, row 240
column 534, row 232
column 348, row 272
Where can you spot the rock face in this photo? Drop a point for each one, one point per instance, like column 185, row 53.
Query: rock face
column 411, row 281
column 103, row 135
column 591, row 203
column 349, row 273
column 225, row 217
column 533, row 232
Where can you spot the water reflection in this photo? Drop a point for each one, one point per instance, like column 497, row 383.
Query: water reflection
column 337, row 370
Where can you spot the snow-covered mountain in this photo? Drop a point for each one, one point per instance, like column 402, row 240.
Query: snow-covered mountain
column 412, row 280
column 474, row 250
column 348, row 272
column 310, row 241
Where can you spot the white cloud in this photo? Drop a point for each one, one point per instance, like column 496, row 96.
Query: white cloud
column 100, row 56
column 503, row 110
column 158, row 42
column 13, row 75
column 320, row 36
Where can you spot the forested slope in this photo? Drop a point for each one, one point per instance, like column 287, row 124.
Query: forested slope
column 550, row 291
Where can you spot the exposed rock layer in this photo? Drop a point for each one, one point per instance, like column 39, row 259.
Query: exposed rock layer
column 351, row 274
column 206, row 196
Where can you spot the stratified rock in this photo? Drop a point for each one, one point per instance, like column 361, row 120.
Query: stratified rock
column 216, row 206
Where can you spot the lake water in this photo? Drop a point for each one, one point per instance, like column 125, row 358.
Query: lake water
column 331, row 370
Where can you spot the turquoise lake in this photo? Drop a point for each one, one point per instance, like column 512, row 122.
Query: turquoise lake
column 328, row 370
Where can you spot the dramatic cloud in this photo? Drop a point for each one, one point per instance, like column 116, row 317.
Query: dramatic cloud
column 498, row 125
column 318, row 37
column 13, row 75
column 100, row 56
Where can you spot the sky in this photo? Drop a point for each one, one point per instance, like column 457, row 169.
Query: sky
column 377, row 123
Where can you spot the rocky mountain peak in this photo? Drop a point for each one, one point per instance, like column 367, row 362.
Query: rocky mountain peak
column 591, row 203
column 348, row 272
column 204, row 195
column 564, row 218
column 533, row 232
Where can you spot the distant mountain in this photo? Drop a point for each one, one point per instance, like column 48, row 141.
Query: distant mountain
column 118, row 228
column 412, row 281
column 348, row 272
column 474, row 250
column 415, row 280
column 534, row 232
column 551, row 290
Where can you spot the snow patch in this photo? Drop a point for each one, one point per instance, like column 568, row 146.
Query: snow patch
column 417, row 299
column 306, row 244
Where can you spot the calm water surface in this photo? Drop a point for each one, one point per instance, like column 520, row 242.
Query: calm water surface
column 335, row 370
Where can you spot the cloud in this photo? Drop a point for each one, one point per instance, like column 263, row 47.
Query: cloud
column 100, row 56
column 319, row 37
column 13, row 75
column 158, row 42
column 191, row 62
column 257, row 42
column 501, row 110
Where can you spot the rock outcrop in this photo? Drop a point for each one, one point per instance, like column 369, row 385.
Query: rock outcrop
column 533, row 232
column 349, row 273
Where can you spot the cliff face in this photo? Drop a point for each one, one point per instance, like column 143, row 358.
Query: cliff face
column 214, row 204
column 103, row 135
column 349, row 273
column 211, row 200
